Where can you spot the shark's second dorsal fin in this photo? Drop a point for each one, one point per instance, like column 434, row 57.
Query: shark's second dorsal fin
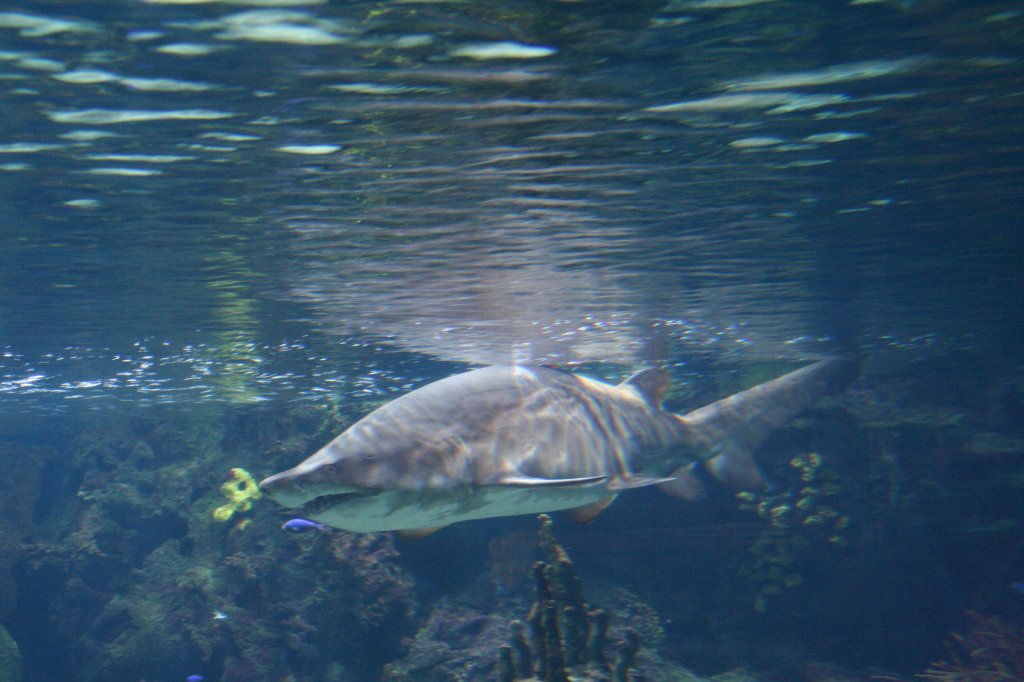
column 650, row 384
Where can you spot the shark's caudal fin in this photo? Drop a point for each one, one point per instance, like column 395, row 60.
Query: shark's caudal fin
column 727, row 432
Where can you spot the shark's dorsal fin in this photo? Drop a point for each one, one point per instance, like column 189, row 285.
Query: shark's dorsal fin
column 589, row 512
column 531, row 482
column 650, row 384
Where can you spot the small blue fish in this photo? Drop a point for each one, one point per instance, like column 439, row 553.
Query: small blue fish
column 1018, row 586
column 194, row 678
column 302, row 525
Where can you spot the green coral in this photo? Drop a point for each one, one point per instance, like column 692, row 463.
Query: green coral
column 800, row 516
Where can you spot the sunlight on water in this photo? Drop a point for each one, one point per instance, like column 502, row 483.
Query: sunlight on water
column 482, row 186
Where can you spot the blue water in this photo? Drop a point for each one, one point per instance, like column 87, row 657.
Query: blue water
column 215, row 210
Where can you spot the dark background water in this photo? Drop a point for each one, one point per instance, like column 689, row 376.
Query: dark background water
column 337, row 202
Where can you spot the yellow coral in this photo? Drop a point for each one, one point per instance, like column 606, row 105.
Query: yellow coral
column 224, row 513
column 240, row 490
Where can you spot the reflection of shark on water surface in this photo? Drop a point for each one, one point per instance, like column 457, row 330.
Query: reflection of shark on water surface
column 509, row 440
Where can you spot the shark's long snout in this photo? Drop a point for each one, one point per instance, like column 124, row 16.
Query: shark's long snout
column 285, row 488
column 303, row 484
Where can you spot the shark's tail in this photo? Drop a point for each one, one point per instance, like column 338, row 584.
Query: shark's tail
column 726, row 433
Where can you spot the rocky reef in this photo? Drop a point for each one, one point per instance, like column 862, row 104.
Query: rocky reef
column 147, row 580
column 558, row 637
column 22, row 471
column 115, row 562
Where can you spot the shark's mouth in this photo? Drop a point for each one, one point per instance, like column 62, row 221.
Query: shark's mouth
column 325, row 502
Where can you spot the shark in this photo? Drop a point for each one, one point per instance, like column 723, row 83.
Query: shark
column 505, row 440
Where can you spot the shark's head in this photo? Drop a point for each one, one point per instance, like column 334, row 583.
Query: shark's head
column 320, row 491
column 386, row 472
column 314, row 478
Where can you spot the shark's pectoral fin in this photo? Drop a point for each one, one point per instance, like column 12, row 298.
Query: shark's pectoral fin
column 532, row 482
column 623, row 483
column 417, row 533
column 736, row 467
column 589, row 512
column 684, row 484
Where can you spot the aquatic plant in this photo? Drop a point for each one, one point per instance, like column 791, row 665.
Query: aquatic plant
column 240, row 490
column 800, row 516
column 992, row 652
column 146, row 584
column 561, row 633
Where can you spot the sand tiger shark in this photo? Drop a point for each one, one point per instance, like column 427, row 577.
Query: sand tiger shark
column 506, row 440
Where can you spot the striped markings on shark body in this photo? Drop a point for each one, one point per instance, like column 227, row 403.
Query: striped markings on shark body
column 507, row 440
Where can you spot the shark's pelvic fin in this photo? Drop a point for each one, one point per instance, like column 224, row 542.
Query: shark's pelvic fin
column 726, row 433
column 650, row 384
column 589, row 512
column 685, row 484
column 736, row 467
column 417, row 533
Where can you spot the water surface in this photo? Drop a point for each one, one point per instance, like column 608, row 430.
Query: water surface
column 273, row 190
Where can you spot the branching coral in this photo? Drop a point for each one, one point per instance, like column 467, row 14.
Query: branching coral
column 561, row 634
column 992, row 652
